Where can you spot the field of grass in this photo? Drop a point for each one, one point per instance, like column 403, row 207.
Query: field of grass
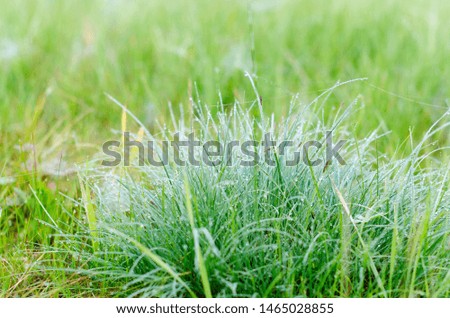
column 376, row 227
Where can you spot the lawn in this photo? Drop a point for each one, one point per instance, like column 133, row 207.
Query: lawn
column 374, row 72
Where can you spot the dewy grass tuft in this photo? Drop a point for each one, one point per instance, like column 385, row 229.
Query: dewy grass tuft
column 373, row 227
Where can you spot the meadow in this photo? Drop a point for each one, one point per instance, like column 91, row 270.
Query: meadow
column 375, row 72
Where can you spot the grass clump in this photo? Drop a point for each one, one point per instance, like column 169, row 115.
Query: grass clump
column 374, row 227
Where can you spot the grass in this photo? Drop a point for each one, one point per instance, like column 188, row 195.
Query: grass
column 58, row 59
column 365, row 229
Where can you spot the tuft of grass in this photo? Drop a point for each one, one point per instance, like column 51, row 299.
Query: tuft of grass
column 375, row 227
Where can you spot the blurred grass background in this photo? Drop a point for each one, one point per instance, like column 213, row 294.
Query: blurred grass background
column 58, row 58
